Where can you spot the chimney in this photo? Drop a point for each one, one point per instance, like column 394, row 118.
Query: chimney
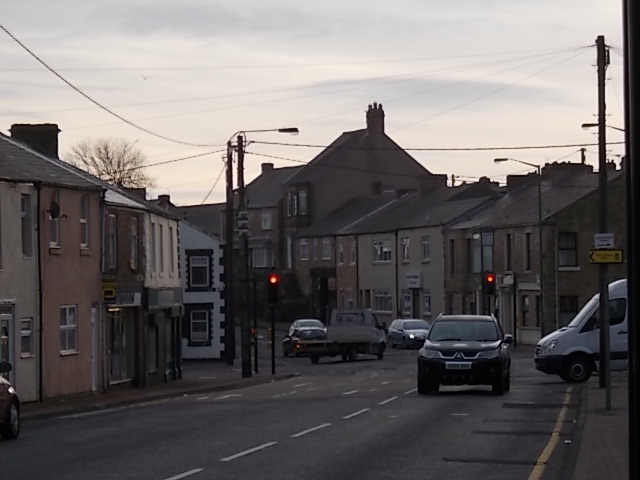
column 140, row 193
column 164, row 201
column 375, row 118
column 267, row 167
column 41, row 137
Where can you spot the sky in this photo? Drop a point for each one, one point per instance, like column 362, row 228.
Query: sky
column 461, row 81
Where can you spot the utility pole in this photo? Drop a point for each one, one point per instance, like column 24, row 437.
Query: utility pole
column 602, row 62
column 243, row 230
column 229, row 321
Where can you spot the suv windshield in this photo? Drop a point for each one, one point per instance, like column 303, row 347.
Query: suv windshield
column 467, row 330
column 416, row 325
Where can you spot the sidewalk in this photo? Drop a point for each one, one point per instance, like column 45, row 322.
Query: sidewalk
column 603, row 452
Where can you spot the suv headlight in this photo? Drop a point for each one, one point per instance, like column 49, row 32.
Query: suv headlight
column 426, row 353
column 547, row 347
column 412, row 336
column 488, row 354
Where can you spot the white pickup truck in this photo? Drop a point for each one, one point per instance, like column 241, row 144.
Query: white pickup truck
column 350, row 331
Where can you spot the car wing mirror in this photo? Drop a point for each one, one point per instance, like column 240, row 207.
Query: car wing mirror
column 508, row 338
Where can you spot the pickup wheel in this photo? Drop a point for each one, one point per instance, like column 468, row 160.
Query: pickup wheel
column 315, row 358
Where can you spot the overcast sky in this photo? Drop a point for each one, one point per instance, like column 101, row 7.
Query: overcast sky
column 457, row 74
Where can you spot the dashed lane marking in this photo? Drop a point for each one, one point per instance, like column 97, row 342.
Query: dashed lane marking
column 310, row 430
column 185, row 474
column 350, row 392
column 388, row 400
column 355, row 414
column 248, row 452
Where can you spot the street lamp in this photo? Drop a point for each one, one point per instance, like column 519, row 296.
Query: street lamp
column 539, row 172
column 242, row 224
column 595, row 125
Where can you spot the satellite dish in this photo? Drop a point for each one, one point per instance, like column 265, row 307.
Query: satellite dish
column 54, row 210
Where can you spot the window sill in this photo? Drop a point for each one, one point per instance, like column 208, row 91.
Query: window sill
column 569, row 269
column 55, row 250
column 69, row 353
column 85, row 251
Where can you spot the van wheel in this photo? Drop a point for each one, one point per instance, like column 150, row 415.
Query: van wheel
column 577, row 369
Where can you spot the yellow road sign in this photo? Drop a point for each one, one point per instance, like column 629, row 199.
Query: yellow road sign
column 605, row 256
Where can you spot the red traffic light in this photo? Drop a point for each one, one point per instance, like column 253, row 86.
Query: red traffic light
column 273, row 279
column 490, row 278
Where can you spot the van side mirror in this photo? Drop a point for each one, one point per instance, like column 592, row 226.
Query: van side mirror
column 508, row 338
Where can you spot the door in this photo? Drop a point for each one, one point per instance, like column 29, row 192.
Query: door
column 6, row 335
column 618, row 334
column 120, row 344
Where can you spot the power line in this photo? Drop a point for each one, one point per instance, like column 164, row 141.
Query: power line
column 95, row 102
column 214, row 184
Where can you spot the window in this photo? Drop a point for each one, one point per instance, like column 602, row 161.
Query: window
column 527, row 251
column 265, row 219
column 315, row 249
column 262, row 257
column 425, row 248
column 199, row 271
column 353, row 252
column 26, row 225
column 199, row 326
column 304, row 249
column 350, row 302
column 381, row 251
column 133, row 261
column 508, row 254
column 68, row 329
column 84, row 221
column 54, row 223
column 426, row 302
column 112, row 239
column 294, row 204
column 452, row 256
column 568, row 306
column 487, row 251
column 289, row 204
column 172, row 253
column 382, row 301
column 340, row 253
column 407, row 303
column 26, row 337
column 567, row 249
column 302, row 202
column 404, row 242
column 161, row 246
column 153, row 247
column 326, row 248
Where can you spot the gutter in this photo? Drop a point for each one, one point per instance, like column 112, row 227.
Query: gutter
column 38, row 186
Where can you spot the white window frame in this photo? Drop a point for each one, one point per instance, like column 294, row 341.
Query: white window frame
column 407, row 303
column 26, row 337
column 326, row 248
column 26, row 222
column 304, row 249
column 68, row 329
column 426, row 302
column 84, row 221
column 199, row 336
column 405, row 243
column 381, row 251
column 54, row 223
column 172, row 251
column 266, row 220
column 153, row 247
column 199, row 262
column 382, row 301
column 425, row 248
column 302, row 202
column 112, row 232
column 262, row 257
column 564, row 253
column 161, row 246
column 340, row 252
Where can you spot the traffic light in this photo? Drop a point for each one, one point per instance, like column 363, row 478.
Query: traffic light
column 489, row 283
column 273, row 284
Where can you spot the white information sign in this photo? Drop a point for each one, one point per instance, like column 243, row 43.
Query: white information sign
column 603, row 240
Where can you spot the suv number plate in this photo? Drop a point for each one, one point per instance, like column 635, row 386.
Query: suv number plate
column 458, row 365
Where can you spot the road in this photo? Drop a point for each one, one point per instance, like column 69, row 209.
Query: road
column 357, row 420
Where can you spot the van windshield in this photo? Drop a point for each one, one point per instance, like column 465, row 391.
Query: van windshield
column 584, row 312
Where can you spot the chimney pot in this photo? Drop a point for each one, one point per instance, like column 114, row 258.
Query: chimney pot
column 41, row 137
column 267, row 167
column 375, row 118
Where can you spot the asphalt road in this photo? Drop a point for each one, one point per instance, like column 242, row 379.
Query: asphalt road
column 335, row 420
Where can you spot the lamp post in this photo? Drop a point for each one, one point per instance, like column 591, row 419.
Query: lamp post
column 541, row 266
column 595, row 125
column 242, row 224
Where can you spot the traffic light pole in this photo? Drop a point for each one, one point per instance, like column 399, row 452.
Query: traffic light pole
column 273, row 340
column 229, row 320
column 245, row 329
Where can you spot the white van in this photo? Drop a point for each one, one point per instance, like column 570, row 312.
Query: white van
column 573, row 351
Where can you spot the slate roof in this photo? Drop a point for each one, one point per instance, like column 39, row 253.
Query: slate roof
column 20, row 163
column 519, row 206
column 206, row 217
column 389, row 212
column 266, row 189
column 332, row 158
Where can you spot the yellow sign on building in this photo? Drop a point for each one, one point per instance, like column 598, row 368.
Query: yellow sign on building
column 605, row 256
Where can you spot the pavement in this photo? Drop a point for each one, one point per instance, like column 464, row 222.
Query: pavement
column 601, row 451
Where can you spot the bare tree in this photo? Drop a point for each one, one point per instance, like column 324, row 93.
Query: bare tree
column 114, row 160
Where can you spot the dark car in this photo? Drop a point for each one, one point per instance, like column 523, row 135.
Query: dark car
column 9, row 406
column 465, row 350
column 302, row 329
column 407, row 332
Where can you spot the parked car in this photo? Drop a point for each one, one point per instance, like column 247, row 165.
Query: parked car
column 465, row 350
column 407, row 332
column 9, row 406
column 302, row 329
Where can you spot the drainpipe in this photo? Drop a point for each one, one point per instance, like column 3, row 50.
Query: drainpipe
column 38, row 186
column 398, row 306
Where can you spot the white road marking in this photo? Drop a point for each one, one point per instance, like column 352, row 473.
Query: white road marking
column 350, row 392
column 462, row 414
column 248, row 452
column 302, row 385
column 385, row 383
column 114, row 409
column 230, row 395
column 185, row 474
column 355, row 414
column 388, row 400
column 202, row 398
column 285, row 394
column 409, row 392
column 304, row 432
